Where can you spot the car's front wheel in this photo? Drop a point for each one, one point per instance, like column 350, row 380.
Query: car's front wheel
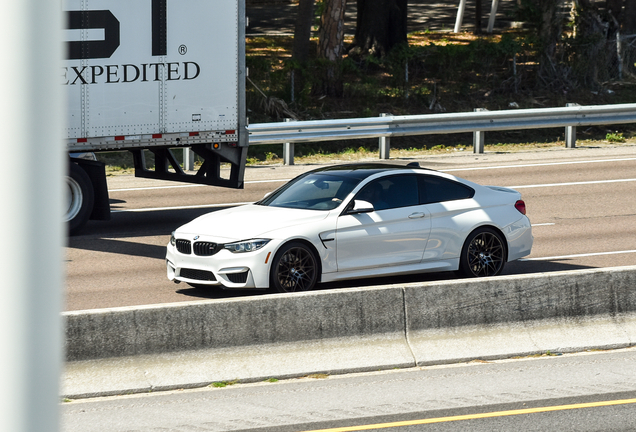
column 295, row 268
column 483, row 254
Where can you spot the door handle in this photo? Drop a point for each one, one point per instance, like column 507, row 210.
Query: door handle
column 416, row 215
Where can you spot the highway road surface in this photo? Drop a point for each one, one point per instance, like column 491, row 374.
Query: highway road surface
column 572, row 392
column 581, row 202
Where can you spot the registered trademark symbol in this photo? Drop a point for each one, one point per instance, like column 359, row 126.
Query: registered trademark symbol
column 183, row 49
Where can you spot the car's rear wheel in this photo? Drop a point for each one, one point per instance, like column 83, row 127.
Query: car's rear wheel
column 483, row 254
column 294, row 268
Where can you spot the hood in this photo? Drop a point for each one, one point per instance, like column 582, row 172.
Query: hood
column 248, row 221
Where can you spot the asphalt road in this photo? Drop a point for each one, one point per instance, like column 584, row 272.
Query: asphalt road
column 581, row 203
column 572, row 392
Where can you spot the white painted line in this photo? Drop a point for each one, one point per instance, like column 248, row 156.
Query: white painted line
column 267, row 181
column 449, row 170
column 543, row 224
column 538, row 165
column 556, row 258
column 572, row 183
column 178, row 207
column 189, row 186
column 155, row 188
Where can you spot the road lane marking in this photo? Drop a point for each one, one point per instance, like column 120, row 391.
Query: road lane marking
column 179, row 207
column 556, row 258
column 572, row 183
column 285, row 180
column 539, row 165
column 479, row 416
column 155, row 188
column 543, row 224
column 189, row 186
column 448, row 170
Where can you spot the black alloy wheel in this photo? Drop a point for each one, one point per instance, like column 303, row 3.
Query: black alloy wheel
column 483, row 254
column 294, row 268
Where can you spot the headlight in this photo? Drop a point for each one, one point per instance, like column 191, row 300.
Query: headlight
column 173, row 240
column 246, row 246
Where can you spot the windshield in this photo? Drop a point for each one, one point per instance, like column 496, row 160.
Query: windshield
column 312, row 192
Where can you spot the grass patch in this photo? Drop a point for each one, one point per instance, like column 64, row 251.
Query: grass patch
column 317, row 376
column 221, row 384
column 615, row 137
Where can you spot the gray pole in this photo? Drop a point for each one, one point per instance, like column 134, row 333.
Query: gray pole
column 570, row 131
column 32, row 199
column 385, row 142
column 188, row 159
column 460, row 16
column 288, row 149
column 479, row 137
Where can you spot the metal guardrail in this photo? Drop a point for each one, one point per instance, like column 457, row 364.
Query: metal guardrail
column 478, row 122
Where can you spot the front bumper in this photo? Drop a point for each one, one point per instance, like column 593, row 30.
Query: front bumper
column 225, row 268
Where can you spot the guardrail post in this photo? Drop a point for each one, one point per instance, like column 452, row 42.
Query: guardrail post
column 570, row 131
column 288, row 149
column 188, row 159
column 479, row 137
column 385, row 142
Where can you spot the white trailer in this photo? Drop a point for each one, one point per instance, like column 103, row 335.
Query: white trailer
column 153, row 76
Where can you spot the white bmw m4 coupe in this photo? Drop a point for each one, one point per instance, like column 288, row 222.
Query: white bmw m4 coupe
column 354, row 221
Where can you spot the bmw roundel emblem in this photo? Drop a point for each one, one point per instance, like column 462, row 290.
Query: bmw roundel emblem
column 196, row 238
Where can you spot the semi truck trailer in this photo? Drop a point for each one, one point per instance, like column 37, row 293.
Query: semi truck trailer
column 153, row 77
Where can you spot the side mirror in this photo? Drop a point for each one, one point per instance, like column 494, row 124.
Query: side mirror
column 267, row 194
column 360, row 206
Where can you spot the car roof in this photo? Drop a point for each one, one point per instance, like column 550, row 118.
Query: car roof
column 363, row 170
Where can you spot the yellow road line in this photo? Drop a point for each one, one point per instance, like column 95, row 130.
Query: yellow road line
column 478, row 416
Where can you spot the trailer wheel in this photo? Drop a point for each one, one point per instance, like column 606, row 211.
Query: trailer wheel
column 80, row 198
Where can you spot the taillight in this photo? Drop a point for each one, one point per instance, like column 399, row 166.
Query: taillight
column 521, row 206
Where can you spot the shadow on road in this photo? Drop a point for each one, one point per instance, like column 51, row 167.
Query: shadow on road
column 137, row 224
column 519, row 267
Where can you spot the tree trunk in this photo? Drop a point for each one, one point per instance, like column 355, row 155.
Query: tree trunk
column 477, row 30
column 330, row 47
column 614, row 7
column 593, row 58
column 628, row 28
column 302, row 31
column 551, row 26
column 381, row 25
column 549, row 30
column 301, row 44
column 629, row 18
column 331, row 40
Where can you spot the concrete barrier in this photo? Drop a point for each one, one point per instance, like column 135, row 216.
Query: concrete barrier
column 521, row 315
column 267, row 319
column 192, row 344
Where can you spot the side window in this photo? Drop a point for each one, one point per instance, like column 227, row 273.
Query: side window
column 436, row 189
column 391, row 192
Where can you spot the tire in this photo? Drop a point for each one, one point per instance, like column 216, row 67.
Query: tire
column 80, row 198
column 294, row 268
column 484, row 254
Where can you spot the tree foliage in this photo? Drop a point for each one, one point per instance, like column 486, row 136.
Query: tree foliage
column 585, row 47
